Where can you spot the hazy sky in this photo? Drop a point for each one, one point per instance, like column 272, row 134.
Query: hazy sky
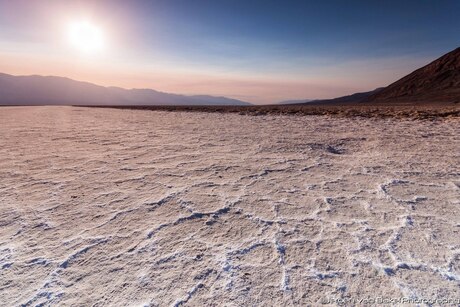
column 258, row 51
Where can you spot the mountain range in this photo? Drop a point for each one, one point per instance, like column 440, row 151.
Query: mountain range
column 353, row 98
column 437, row 82
column 50, row 90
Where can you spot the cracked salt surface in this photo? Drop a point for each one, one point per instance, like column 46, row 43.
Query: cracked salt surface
column 129, row 207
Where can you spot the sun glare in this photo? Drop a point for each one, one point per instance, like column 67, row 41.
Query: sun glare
column 86, row 37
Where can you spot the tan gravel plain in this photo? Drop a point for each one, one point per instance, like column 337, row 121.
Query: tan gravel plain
column 109, row 207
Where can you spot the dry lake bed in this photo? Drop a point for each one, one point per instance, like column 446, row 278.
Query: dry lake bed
column 111, row 207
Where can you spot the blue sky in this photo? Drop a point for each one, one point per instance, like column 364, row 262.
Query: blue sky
column 261, row 51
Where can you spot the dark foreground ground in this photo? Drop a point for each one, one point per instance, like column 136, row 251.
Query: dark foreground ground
column 415, row 111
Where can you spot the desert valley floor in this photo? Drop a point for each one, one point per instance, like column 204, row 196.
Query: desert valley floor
column 153, row 208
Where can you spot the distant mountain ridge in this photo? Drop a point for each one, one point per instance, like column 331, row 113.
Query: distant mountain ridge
column 51, row 90
column 353, row 98
column 294, row 101
column 439, row 81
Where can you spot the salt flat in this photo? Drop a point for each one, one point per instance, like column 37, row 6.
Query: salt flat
column 128, row 207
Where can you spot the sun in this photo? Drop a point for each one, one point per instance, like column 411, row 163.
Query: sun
column 86, row 36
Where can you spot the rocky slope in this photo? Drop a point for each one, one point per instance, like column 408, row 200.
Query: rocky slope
column 438, row 81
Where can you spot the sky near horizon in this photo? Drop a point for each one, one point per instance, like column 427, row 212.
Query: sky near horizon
column 256, row 51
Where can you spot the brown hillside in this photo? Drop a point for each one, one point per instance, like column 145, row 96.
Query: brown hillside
column 438, row 81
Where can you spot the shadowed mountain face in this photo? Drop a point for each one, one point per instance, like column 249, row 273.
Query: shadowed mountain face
column 40, row 90
column 438, row 81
